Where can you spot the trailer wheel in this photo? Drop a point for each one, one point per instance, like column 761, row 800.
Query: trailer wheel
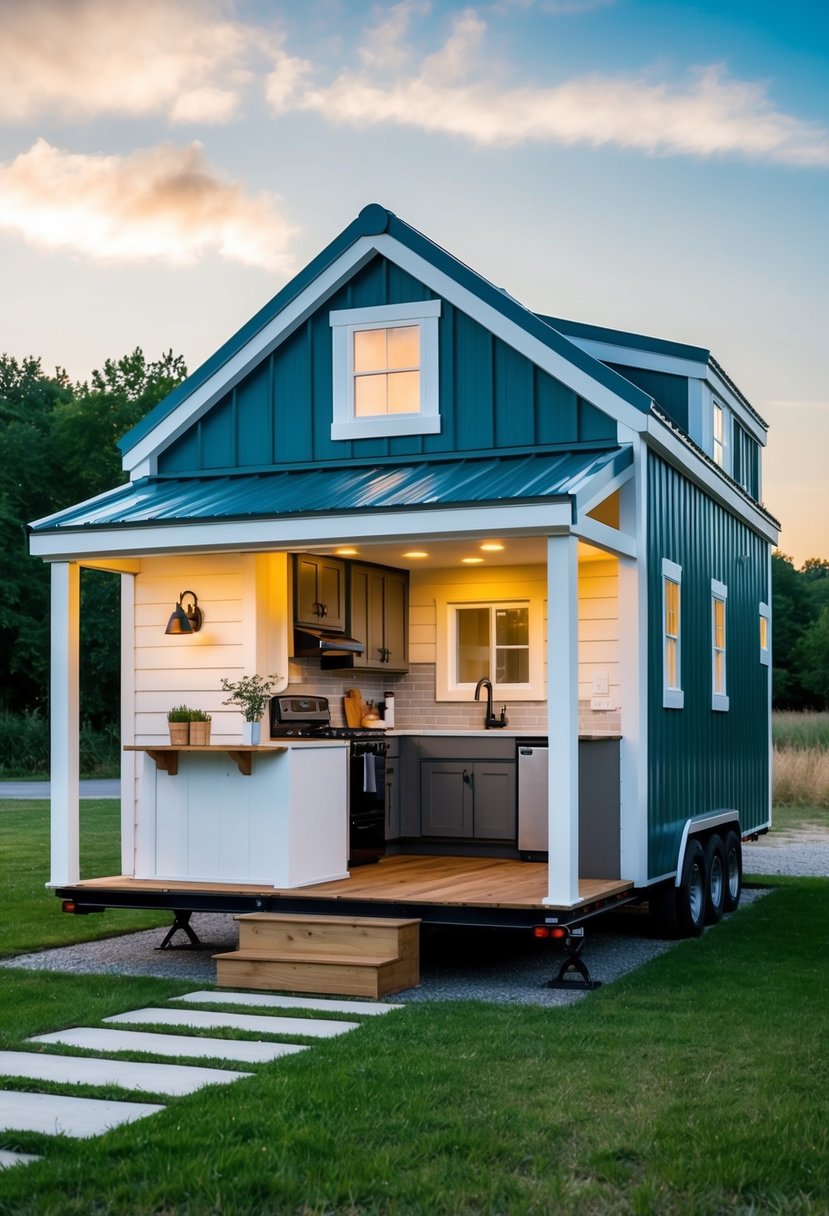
column 714, row 879
column 733, row 871
column 691, row 895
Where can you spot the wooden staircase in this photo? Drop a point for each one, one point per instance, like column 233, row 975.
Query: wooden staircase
column 352, row 956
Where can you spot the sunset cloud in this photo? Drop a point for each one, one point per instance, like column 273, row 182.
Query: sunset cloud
column 164, row 203
column 459, row 91
column 82, row 58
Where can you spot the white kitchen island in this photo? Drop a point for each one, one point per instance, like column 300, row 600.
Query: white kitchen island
column 276, row 814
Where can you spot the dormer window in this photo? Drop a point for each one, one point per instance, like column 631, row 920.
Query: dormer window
column 718, row 435
column 385, row 368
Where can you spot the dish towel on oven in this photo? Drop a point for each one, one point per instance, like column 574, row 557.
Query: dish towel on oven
column 369, row 775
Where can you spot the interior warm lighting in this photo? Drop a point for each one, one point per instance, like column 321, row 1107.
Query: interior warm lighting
column 416, row 553
column 491, row 546
column 471, row 561
column 186, row 618
column 346, row 552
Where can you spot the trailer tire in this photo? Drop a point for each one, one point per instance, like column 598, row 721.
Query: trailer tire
column 733, row 871
column 692, row 892
column 715, row 880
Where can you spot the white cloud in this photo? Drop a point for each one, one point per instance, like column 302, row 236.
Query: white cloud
column 80, row 58
column 164, row 203
column 458, row 91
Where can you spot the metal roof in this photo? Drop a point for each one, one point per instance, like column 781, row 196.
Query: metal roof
column 334, row 490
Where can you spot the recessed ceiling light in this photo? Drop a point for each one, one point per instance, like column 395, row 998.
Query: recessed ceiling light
column 492, row 546
column 471, row 561
column 416, row 553
column 347, row 552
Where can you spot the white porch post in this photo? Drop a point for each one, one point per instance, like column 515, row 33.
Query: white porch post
column 563, row 722
column 65, row 722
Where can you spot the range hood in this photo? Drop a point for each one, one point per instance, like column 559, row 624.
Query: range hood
column 314, row 643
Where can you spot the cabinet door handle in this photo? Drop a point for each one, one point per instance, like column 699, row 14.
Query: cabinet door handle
column 322, row 609
column 467, row 776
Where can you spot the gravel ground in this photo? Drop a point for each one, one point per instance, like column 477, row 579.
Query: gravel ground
column 508, row 967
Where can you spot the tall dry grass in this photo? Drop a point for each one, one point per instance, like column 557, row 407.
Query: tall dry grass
column 800, row 776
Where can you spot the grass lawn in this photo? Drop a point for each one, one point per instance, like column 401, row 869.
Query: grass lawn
column 696, row 1084
column 32, row 916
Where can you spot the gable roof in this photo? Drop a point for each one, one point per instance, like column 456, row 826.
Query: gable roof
column 376, row 222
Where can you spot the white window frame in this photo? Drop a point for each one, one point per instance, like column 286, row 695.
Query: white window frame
column 765, row 650
column 719, row 697
column 720, row 447
column 447, row 687
column 673, row 697
column 344, row 324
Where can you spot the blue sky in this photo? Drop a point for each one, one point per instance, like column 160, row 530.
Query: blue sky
column 166, row 165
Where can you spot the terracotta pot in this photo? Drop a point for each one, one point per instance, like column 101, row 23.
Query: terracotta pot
column 200, row 733
column 179, row 733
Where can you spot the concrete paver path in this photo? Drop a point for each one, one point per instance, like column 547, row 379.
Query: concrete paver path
column 203, row 1019
column 170, row 1079
column 54, row 1114
column 238, row 1050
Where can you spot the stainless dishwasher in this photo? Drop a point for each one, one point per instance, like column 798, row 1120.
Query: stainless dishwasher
column 532, row 799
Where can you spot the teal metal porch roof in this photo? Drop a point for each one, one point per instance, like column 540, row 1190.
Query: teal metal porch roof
column 363, row 488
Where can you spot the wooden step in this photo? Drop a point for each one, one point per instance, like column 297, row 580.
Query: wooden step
column 344, row 935
column 371, row 976
column 343, row 955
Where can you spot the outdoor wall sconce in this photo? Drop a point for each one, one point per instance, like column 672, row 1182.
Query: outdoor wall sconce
column 186, row 618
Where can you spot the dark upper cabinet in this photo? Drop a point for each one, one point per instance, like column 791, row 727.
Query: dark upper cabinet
column 320, row 592
column 380, row 617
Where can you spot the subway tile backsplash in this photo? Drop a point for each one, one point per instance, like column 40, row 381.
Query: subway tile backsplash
column 415, row 707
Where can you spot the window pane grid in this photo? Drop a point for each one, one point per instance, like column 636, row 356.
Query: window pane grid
column 387, row 371
column 480, row 650
column 718, row 645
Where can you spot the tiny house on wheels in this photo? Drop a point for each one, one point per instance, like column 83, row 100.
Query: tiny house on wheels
column 541, row 541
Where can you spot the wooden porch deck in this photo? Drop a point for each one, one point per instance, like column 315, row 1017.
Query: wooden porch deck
column 462, row 882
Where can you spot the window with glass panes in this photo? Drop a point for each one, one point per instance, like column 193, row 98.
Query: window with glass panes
column 387, row 371
column 492, row 640
column 672, row 694
column 719, row 596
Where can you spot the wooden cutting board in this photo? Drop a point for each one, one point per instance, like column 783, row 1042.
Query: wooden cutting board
column 355, row 707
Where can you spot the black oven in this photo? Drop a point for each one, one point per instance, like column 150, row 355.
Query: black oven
column 367, row 801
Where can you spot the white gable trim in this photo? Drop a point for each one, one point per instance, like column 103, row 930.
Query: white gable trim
column 141, row 460
column 648, row 360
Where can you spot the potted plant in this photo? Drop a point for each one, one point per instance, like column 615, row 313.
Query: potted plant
column 200, row 727
column 178, row 722
column 251, row 694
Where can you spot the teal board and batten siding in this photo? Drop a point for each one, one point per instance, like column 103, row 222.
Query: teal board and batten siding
column 491, row 397
column 702, row 760
column 668, row 391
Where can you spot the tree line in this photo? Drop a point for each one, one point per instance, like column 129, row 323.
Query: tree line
column 58, row 447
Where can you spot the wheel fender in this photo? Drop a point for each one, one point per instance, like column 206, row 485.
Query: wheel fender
column 694, row 827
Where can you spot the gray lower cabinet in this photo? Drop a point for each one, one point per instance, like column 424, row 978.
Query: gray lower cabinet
column 474, row 800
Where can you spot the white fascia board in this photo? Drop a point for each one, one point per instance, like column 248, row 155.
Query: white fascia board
column 512, row 333
column 214, row 536
column 660, row 438
column 141, row 459
column 610, row 352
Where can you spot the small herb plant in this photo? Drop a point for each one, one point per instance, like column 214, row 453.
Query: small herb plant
column 199, row 715
column 180, row 713
column 251, row 694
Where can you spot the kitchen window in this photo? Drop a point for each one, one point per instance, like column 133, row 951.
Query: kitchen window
column 673, row 696
column 719, row 597
column 499, row 640
column 385, row 370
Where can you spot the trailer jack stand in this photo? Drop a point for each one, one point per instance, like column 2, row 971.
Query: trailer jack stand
column 573, row 944
column 181, row 920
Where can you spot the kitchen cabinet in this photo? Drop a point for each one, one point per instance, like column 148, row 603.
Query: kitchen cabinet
column 320, row 592
column 473, row 799
column 380, row 617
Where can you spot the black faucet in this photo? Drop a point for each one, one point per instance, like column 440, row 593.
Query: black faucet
column 490, row 721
